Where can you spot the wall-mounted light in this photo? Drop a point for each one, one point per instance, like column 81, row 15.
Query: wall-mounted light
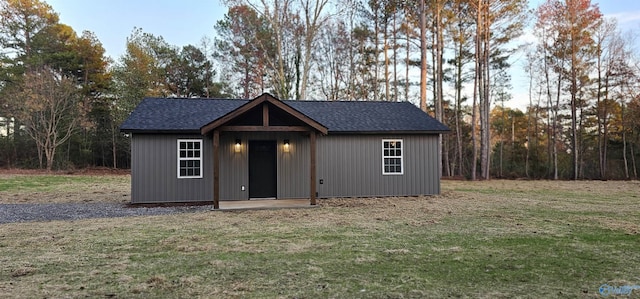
column 238, row 146
column 286, row 146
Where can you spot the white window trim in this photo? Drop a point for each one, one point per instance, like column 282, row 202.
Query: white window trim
column 189, row 159
column 401, row 157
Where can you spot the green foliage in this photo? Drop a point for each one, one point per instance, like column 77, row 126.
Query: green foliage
column 33, row 42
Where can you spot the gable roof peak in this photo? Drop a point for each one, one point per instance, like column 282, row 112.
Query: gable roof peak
column 263, row 98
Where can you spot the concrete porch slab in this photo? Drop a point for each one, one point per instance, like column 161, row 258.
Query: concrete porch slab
column 264, row 204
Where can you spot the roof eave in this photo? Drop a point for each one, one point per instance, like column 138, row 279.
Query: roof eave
column 160, row 131
column 400, row 132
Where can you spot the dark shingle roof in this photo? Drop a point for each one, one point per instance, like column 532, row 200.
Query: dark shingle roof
column 189, row 115
column 168, row 115
column 369, row 116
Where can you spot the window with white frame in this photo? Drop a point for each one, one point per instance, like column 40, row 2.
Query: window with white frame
column 392, row 156
column 189, row 158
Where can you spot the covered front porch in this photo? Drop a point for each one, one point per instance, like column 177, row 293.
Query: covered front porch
column 270, row 124
column 264, row 204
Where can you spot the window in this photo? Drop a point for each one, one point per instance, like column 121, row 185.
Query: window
column 189, row 158
column 392, row 156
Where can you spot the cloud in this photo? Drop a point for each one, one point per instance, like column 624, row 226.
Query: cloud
column 626, row 17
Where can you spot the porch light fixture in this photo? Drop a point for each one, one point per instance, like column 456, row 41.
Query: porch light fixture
column 286, row 146
column 238, row 146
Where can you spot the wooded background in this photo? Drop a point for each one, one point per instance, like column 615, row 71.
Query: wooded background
column 62, row 99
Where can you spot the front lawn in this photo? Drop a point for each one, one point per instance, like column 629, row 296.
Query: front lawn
column 495, row 239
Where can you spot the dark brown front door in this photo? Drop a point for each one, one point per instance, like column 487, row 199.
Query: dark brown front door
column 262, row 169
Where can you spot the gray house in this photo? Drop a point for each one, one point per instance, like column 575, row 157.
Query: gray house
column 192, row 150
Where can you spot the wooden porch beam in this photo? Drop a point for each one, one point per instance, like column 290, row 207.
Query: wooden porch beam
column 265, row 129
column 265, row 114
column 216, row 169
column 312, row 175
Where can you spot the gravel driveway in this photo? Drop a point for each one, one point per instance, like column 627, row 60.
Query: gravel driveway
column 10, row 213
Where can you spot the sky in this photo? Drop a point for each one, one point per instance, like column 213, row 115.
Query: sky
column 179, row 22
column 182, row 22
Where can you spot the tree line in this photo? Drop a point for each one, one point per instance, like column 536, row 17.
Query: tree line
column 63, row 99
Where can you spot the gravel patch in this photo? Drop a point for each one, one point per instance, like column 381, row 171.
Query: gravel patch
column 10, row 213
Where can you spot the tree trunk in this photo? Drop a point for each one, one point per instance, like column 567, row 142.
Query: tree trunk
column 458, row 116
column 439, row 77
column 605, row 131
column 50, row 153
column 40, row 155
column 376, row 52
column 114, row 149
column 598, row 114
column 633, row 161
column 529, row 110
column 395, row 55
column 407, row 64
column 423, row 56
column 483, row 50
column 246, row 84
column 574, row 129
column 624, row 144
column 555, row 130
column 487, row 94
column 477, row 83
column 624, row 155
column 387, row 91
column 352, row 65
column 550, row 109
column 458, row 106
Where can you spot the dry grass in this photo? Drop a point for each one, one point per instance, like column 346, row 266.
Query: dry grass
column 48, row 188
column 496, row 239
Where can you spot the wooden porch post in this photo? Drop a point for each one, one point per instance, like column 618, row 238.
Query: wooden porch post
column 216, row 169
column 312, row 167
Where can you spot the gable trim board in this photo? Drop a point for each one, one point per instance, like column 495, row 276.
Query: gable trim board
column 335, row 148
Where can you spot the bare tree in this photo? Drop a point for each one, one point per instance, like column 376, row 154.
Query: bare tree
column 48, row 104
column 315, row 18
column 605, row 52
column 461, row 31
column 570, row 24
column 497, row 23
column 295, row 27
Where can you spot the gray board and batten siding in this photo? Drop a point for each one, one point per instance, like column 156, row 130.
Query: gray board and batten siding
column 348, row 166
column 351, row 166
column 292, row 167
column 154, row 170
column 349, row 157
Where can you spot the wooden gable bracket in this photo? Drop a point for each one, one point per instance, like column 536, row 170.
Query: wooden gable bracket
column 218, row 125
